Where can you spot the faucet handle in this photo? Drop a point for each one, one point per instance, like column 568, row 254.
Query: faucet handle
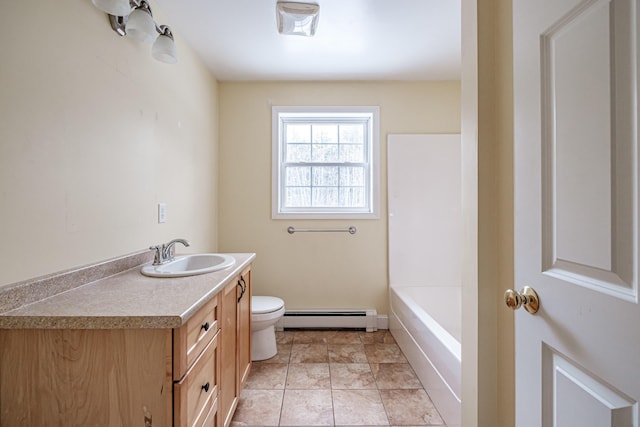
column 157, row 258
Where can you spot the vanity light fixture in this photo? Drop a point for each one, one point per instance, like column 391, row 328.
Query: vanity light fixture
column 300, row 19
column 134, row 18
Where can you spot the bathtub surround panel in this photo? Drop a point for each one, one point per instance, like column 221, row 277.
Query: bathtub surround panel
column 425, row 211
column 95, row 133
column 315, row 270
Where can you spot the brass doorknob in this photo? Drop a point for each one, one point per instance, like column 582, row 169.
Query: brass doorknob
column 527, row 297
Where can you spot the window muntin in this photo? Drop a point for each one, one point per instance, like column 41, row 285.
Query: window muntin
column 325, row 162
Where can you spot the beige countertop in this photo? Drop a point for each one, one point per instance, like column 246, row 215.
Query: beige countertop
column 124, row 300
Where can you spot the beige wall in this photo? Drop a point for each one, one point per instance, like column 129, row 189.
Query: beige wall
column 315, row 270
column 94, row 133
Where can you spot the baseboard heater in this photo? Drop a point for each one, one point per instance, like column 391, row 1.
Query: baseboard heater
column 330, row 319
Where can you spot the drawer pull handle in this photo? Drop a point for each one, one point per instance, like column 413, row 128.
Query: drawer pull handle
column 205, row 326
column 241, row 290
column 206, row 387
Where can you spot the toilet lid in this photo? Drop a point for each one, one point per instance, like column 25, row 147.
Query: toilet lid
column 261, row 305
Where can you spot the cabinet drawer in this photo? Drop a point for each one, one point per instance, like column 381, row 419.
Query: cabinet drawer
column 192, row 337
column 195, row 396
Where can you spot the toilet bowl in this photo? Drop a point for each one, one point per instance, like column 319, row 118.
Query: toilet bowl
column 265, row 312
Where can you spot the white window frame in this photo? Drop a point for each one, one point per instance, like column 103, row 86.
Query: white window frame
column 278, row 113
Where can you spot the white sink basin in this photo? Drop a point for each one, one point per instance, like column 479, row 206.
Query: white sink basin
column 190, row 265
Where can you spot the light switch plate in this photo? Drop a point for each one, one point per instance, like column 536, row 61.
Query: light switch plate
column 162, row 213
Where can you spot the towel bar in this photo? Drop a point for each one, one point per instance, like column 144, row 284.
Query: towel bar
column 350, row 230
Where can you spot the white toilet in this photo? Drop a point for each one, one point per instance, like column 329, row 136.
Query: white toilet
column 265, row 312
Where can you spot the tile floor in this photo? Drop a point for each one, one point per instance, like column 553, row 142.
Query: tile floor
column 335, row 378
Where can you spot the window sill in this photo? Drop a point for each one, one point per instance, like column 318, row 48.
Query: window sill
column 325, row 215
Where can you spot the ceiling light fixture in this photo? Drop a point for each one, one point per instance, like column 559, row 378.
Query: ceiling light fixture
column 300, row 19
column 134, row 18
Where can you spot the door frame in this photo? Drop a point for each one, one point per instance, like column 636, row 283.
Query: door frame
column 469, row 132
column 488, row 382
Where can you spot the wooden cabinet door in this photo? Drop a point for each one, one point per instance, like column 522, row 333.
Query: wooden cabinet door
column 244, row 327
column 229, row 385
column 235, row 343
column 71, row 377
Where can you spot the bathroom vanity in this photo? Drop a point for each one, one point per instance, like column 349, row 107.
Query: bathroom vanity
column 129, row 350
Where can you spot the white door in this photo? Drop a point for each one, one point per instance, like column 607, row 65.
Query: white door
column 576, row 178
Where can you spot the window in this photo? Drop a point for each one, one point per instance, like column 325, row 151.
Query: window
column 325, row 162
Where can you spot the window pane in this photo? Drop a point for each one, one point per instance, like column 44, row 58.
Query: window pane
column 324, row 197
column 325, row 176
column 325, row 133
column 352, row 176
column 298, row 133
column 297, row 197
column 298, row 176
column 325, row 153
column 352, row 197
column 352, row 134
column 352, row 153
column 298, row 152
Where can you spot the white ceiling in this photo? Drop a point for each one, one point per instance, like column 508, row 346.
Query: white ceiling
column 355, row 40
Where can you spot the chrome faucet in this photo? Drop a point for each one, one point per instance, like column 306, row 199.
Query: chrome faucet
column 165, row 252
column 168, row 248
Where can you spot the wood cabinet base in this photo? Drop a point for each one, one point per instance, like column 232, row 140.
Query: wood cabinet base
column 187, row 377
column 68, row 377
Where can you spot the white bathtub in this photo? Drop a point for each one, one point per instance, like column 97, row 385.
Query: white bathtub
column 425, row 321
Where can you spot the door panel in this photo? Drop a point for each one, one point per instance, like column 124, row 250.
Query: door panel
column 574, row 397
column 587, row 166
column 576, row 182
column 582, row 214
